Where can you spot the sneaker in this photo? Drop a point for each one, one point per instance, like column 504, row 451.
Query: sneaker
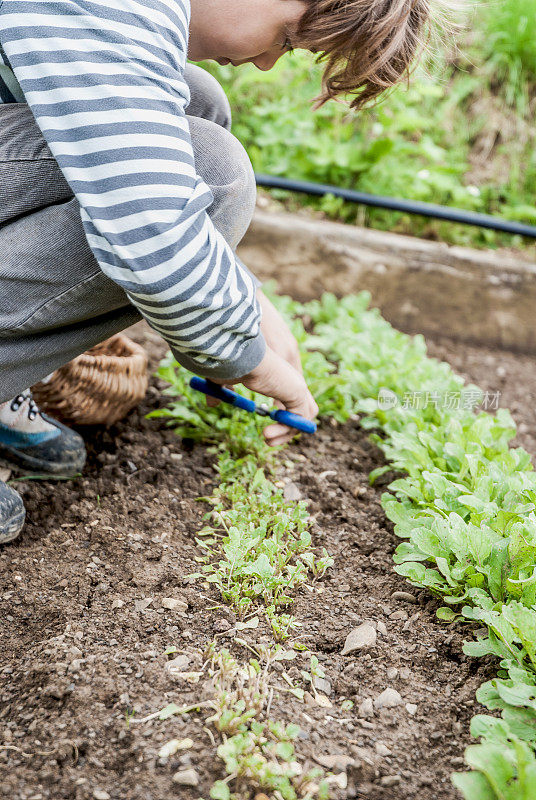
column 12, row 514
column 36, row 442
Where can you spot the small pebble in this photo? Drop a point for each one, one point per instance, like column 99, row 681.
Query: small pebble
column 361, row 637
column 411, row 708
column 399, row 615
column 186, row 777
column 322, row 685
column 392, row 673
column 340, row 780
column 178, row 664
column 99, row 794
column 338, row 761
column 366, row 708
column 141, row 605
column 409, row 623
column 404, row 597
column 390, row 780
column 382, row 749
column 389, row 698
column 174, row 604
column 323, row 701
column 174, row 746
column 382, row 628
column 292, row 493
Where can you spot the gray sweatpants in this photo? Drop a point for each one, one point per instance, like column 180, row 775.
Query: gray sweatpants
column 55, row 302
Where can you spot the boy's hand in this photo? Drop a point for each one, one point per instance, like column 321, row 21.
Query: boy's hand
column 275, row 377
column 279, row 375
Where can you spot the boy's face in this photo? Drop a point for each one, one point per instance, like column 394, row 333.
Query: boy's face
column 241, row 31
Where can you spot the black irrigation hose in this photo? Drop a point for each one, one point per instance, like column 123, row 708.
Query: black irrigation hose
column 395, row 204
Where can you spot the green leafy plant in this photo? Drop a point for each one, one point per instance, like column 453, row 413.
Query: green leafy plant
column 465, row 511
column 256, row 547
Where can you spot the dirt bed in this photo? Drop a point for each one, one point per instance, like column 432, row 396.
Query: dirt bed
column 84, row 631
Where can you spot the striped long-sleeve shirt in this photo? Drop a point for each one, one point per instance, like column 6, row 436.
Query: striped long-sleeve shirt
column 104, row 80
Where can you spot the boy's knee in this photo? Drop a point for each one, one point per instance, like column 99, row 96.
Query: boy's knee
column 224, row 165
column 207, row 97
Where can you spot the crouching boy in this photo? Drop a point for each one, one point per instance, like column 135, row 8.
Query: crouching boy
column 123, row 193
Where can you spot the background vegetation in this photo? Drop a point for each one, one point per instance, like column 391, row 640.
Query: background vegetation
column 462, row 134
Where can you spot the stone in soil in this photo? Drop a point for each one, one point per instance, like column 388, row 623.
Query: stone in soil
column 363, row 636
column 186, row 777
column 389, row 698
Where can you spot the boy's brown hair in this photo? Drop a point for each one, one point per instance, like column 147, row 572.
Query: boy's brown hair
column 369, row 45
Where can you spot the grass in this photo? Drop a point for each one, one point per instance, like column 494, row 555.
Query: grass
column 510, row 46
column 433, row 142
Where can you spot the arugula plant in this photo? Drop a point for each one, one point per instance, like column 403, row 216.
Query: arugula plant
column 256, row 547
column 258, row 752
column 464, row 508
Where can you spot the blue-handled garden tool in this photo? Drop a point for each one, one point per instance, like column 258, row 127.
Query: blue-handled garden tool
column 238, row 401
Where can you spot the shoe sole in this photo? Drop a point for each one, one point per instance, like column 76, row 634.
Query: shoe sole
column 38, row 467
column 13, row 528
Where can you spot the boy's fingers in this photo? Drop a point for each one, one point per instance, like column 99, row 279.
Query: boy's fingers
column 278, row 434
column 277, row 431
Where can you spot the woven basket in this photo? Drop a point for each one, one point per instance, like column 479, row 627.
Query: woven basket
column 99, row 387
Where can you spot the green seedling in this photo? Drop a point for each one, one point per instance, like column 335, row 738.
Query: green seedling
column 258, row 752
column 129, row 716
column 255, row 545
column 315, row 671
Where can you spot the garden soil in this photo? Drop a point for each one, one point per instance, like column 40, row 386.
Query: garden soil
column 84, row 631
